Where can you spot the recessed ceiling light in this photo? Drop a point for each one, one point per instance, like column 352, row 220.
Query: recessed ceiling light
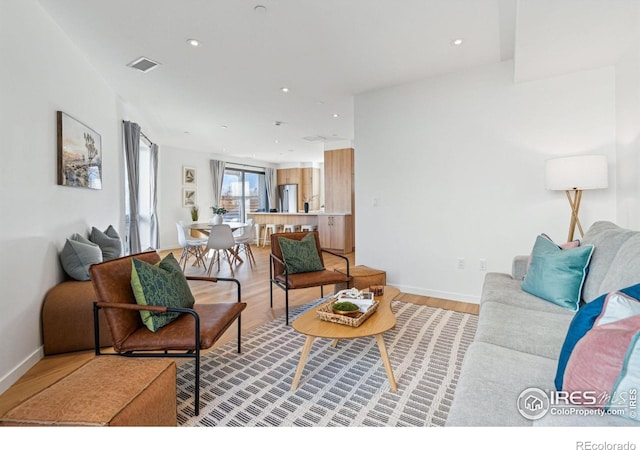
column 336, row 115
column 284, row 89
column 193, row 42
column 277, row 141
column 224, row 127
column 456, row 42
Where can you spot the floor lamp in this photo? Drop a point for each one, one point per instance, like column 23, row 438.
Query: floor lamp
column 573, row 175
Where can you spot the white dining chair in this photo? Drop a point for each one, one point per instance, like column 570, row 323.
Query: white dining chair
column 190, row 247
column 244, row 240
column 220, row 242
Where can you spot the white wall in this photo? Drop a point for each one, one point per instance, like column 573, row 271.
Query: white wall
column 42, row 72
column 456, row 165
column 628, row 138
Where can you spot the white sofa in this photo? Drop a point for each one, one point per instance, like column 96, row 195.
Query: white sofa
column 520, row 336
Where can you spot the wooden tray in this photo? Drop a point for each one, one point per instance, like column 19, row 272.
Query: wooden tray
column 325, row 312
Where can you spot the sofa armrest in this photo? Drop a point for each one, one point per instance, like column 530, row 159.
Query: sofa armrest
column 519, row 267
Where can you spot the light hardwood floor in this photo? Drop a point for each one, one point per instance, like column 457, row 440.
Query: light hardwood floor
column 255, row 292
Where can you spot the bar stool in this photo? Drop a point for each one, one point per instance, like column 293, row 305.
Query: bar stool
column 258, row 227
column 308, row 228
column 269, row 229
column 290, row 228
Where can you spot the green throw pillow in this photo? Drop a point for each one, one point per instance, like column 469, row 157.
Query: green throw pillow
column 161, row 284
column 557, row 275
column 300, row 256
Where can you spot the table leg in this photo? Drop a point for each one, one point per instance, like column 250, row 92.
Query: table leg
column 334, row 344
column 385, row 361
column 303, row 360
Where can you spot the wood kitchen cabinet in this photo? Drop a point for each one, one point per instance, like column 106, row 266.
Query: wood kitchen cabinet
column 337, row 226
column 336, row 232
column 338, row 181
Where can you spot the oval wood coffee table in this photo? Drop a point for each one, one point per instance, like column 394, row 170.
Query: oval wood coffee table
column 380, row 321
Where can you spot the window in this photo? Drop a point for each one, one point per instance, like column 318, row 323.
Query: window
column 144, row 197
column 243, row 191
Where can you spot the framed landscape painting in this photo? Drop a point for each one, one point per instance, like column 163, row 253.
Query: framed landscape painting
column 79, row 154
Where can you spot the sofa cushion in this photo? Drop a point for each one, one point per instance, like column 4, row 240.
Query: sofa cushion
column 606, row 360
column 625, row 267
column 607, row 239
column 77, row 255
column 585, row 319
column 108, row 241
column 491, row 381
column 557, row 275
column 535, row 332
column 161, row 284
column 300, row 255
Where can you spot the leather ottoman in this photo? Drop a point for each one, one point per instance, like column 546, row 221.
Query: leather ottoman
column 106, row 391
column 363, row 277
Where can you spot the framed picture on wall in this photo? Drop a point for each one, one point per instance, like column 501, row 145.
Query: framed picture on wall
column 79, row 154
column 189, row 175
column 188, row 197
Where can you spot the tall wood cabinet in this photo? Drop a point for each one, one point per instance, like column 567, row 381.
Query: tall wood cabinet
column 337, row 226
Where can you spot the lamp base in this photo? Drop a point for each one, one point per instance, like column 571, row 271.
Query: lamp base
column 574, row 201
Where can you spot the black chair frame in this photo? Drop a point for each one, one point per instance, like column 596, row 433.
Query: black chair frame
column 191, row 353
column 285, row 287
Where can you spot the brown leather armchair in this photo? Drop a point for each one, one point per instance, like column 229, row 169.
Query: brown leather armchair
column 195, row 329
column 286, row 281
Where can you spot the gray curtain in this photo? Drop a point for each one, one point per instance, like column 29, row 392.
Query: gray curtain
column 155, row 235
column 217, row 173
column 131, row 160
column 271, row 181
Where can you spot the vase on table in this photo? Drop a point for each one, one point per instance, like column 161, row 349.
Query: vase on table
column 217, row 219
column 306, row 207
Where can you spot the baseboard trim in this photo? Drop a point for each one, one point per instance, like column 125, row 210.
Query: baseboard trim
column 456, row 296
column 14, row 375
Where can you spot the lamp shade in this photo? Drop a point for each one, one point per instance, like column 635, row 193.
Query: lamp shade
column 577, row 172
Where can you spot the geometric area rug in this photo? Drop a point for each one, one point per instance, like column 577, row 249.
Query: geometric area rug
column 339, row 387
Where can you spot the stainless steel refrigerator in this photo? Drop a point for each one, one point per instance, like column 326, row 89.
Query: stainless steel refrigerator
column 288, row 197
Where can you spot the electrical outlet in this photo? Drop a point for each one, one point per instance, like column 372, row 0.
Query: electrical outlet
column 483, row 265
column 460, row 263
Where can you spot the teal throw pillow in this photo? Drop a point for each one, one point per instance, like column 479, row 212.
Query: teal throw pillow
column 161, row 284
column 77, row 255
column 108, row 241
column 557, row 275
column 300, row 256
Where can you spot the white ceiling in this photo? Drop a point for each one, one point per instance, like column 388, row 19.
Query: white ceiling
column 324, row 51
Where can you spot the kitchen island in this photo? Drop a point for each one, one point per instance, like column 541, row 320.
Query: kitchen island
column 301, row 218
column 335, row 229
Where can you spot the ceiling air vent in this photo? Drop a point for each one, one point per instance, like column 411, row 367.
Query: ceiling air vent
column 315, row 138
column 143, row 64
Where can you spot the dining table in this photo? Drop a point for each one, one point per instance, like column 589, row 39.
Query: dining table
column 205, row 228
